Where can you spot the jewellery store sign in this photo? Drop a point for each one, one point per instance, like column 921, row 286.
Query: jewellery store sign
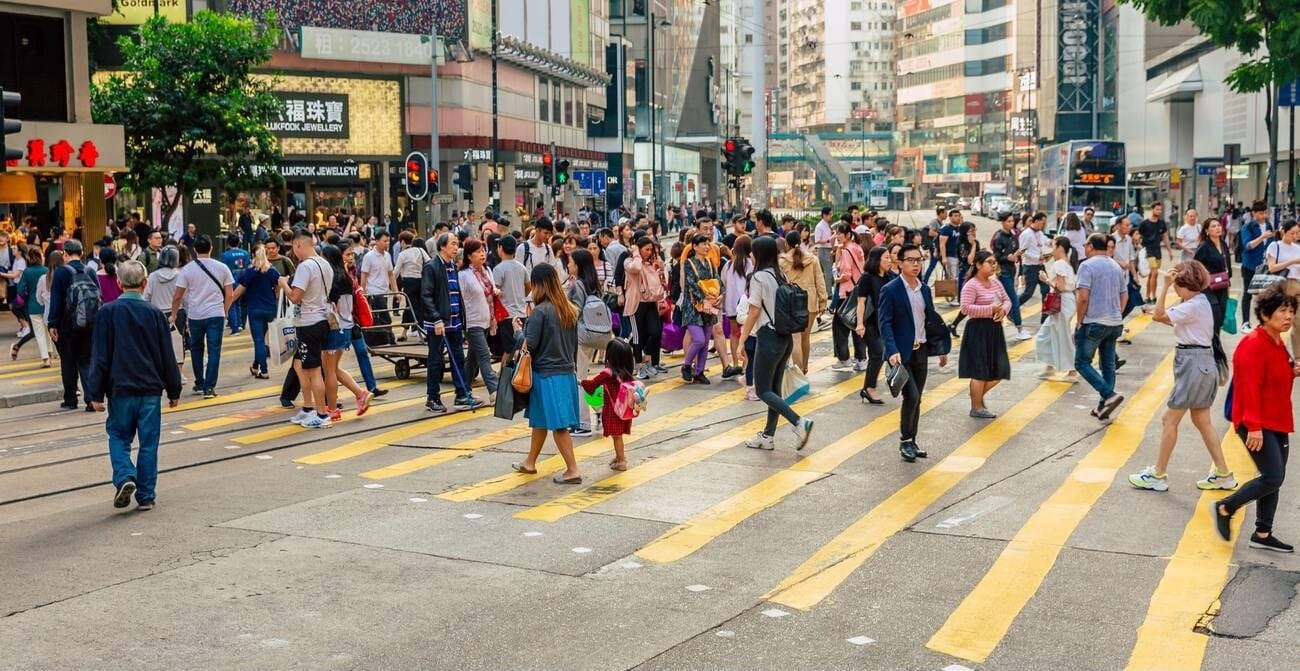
column 311, row 115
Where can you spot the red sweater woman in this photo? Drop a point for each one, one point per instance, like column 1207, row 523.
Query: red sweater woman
column 1263, row 372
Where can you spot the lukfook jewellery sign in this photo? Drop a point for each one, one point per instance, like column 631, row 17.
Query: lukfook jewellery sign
column 314, row 115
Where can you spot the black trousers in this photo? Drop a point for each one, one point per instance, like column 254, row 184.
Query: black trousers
column 1270, row 460
column 841, row 336
column 917, row 368
column 1032, row 282
column 649, row 333
column 1247, row 274
column 74, row 364
column 291, row 387
column 875, row 356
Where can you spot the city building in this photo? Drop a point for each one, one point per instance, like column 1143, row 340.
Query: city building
column 60, row 180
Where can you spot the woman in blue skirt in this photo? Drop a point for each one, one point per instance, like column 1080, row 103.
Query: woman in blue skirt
column 551, row 336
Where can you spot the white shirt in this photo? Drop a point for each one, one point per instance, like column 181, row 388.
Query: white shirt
column 314, row 276
column 1193, row 321
column 203, row 298
column 1281, row 252
column 1034, row 243
column 411, row 262
column 378, row 268
column 531, row 255
column 1061, row 268
column 822, row 234
column 917, row 299
column 1124, row 252
column 1190, row 237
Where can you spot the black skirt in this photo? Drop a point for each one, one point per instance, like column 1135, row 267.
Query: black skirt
column 984, row 352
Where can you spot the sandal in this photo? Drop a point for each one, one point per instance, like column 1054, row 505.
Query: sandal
column 520, row 469
column 617, row 465
column 13, row 352
column 559, row 479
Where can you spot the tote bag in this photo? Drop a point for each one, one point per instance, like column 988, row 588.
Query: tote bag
column 282, row 337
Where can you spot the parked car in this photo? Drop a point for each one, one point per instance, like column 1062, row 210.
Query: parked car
column 963, row 203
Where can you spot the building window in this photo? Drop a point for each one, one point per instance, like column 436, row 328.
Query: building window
column 556, row 103
column 986, row 35
column 855, row 25
column 855, row 86
column 543, row 99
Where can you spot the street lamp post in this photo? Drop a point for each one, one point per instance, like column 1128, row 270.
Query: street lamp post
column 654, row 116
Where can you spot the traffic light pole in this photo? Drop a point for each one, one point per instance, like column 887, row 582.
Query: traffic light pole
column 433, row 127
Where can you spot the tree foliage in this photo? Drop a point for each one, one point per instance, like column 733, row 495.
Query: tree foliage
column 1266, row 32
column 191, row 110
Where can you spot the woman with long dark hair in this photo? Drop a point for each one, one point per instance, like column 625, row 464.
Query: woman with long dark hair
column 772, row 350
column 984, row 359
column 340, row 339
column 967, row 245
column 584, row 282
column 875, row 277
column 1072, row 229
column 551, row 338
column 1216, row 256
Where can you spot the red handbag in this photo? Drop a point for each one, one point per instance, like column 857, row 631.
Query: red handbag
column 1052, row 303
column 1220, row 281
column 361, row 315
column 499, row 311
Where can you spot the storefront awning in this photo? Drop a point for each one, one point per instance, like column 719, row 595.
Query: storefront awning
column 1181, row 86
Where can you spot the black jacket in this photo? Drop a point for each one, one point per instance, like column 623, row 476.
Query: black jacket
column 132, row 353
column 435, row 301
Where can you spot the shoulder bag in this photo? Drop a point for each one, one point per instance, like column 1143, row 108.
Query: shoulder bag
column 522, row 381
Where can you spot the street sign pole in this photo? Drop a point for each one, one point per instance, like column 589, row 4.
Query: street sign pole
column 433, row 123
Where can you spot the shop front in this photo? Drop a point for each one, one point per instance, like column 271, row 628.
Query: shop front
column 61, row 179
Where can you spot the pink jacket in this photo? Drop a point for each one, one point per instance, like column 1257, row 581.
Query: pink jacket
column 849, row 263
column 640, row 283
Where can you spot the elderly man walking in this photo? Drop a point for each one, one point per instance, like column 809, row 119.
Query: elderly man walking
column 132, row 363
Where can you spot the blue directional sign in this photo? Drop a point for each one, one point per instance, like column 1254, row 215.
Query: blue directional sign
column 590, row 182
column 1288, row 94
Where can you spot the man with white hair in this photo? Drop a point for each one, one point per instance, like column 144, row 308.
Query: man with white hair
column 132, row 363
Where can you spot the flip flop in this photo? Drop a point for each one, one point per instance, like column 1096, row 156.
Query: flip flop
column 520, row 469
column 559, row 479
column 618, row 465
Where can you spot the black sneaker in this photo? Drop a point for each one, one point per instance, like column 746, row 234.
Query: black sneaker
column 196, row 390
column 468, row 402
column 686, row 373
column 701, row 379
column 1222, row 523
column 209, row 394
column 1119, row 363
column 907, row 450
column 731, row 371
column 123, row 497
column 952, row 328
column 580, row 432
column 1269, row 543
column 435, row 406
column 379, row 392
column 68, row 406
column 287, row 404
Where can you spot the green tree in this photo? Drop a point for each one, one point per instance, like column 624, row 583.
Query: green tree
column 191, row 110
column 1266, row 32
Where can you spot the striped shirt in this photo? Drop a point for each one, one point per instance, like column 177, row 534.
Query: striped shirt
column 455, row 319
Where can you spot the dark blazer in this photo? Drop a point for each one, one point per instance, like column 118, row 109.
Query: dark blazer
column 435, row 301
column 132, row 352
column 896, row 327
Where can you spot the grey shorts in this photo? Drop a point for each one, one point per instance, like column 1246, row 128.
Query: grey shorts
column 1196, row 379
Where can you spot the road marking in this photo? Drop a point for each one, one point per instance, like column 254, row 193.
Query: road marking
column 294, row 429
column 36, row 370
column 823, row 572
column 976, row 627
column 684, row 539
column 618, row 483
column 1191, row 582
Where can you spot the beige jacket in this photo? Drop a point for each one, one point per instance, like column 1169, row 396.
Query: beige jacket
column 810, row 279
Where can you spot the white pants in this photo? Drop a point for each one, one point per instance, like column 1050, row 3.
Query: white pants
column 42, row 336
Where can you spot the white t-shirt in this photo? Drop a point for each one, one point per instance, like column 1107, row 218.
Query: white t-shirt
column 315, row 277
column 1190, row 237
column 762, row 293
column 378, row 268
column 1282, row 252
column 1034, row 243
column 1061, row 268
column 1193, row 321
column 203, row 298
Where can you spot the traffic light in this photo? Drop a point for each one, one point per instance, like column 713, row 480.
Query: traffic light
column 433, row 182
column 729, row 156
column 562, row 173
column 463, row 179
column 9, row 99
column 418, row 175
column 548, row 168
column 745, row 157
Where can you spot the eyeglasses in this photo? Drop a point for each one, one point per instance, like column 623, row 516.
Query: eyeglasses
column 911, row 259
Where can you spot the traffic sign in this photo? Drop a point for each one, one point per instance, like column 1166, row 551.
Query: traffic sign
column 1289, row 94
column 590, row 183
column 110, row 186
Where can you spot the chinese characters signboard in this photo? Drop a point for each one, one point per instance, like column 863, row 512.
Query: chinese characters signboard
column 314, row 115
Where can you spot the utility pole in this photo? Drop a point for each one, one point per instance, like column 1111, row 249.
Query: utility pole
column 434, row 149
column 494, row 189
column 650, row 107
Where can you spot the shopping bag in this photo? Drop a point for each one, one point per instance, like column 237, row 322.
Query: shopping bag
column 945, row 288
column 509, row 402
column 178, row 344
column 794, row 384
column 672, row 337
column 1230, row 316
column 282, row 336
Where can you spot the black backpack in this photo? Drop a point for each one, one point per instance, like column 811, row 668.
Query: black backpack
column 84, row 300
column 791, row 313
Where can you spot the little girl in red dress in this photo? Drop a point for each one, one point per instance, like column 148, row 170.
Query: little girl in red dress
column 618, row 369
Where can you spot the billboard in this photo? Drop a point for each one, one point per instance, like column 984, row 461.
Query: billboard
column 410, row 17
column 136, row 12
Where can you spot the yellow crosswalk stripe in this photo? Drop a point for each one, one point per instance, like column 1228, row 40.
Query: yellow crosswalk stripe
column 976, row 627
column 294, row 429
column 688, row 537
column 34, row 370
column 460, row 449
column 1192, row 581
column 13, row 366
column 816, row 578
column 610, row 487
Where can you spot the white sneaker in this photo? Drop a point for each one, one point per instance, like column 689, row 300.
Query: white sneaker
column 802, row 431
column 1023, row 334
column 1147, row 479
column 1047, row 374
column 23, row 332
column 842, row 366
column 317, row 422
column 1246, row 327
column 645, row 373
column 761, row 441
column 301, row 417
column 1216, row 481
column 860, row 366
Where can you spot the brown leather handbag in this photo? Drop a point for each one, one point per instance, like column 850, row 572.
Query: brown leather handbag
column 522, row 382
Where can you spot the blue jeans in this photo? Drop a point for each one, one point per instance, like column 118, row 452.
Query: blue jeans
column 258, row 322
column 1009, row 283
column 129, row 416
column 1097, row 340
column 934, row 262
column 363, row 359
column 237, row 315
column 206, row 332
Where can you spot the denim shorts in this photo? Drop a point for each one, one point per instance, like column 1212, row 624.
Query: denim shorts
column 338, row 341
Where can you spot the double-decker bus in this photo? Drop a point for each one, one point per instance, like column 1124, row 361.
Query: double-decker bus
column 1081, row 173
